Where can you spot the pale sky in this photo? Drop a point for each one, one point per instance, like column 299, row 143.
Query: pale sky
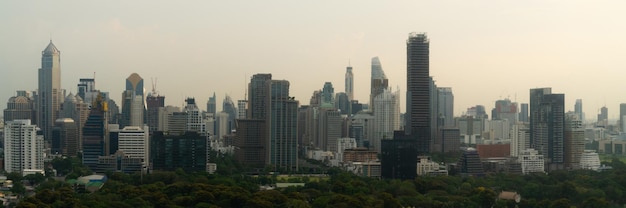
column 483, row 50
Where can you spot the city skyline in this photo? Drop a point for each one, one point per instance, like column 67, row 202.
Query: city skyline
column 487, row 51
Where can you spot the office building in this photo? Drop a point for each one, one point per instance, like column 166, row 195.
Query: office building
column 547, row 125
column 94, row 134
column 578, row 109
column 379, row 81
column 418, row 99
column 133, row 102
column 520, row 138
column 49, row 94
column 187, row 151
column 257, row 95
column 154, row 102
column 574, row 140
column 65, row 137
column 133, row 141
column 523, row 113
column 250, row 142
column 228, row 106
column 361, row 128
column 327, row 96
column 399, row 159
column 603, row 117
column 211, row 105
column 349, row 82
column 445, row 106
column 281, row 124
column 505, row 110
column 23, row 147
column 469, row 164
column 343, row 104
column 242, row 108
column 20, row 107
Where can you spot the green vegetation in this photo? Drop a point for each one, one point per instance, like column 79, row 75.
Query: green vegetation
column 340, row 189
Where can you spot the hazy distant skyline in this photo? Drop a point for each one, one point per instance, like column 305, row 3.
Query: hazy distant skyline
column 483, row 50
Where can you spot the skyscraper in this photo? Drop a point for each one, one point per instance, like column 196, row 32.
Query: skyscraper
column 523, row 113
column 328, row 96
column 23, row 147
column 445, row 105
column 211, row 105
column 133, row 102
column 349, row 82
column 578, row 109
column 50, row 95
column 418, row 115
column 574, row 140
column 65, row 139
column 603, row 117
column 228, row 106
column 386, row 117
column 548, row 126
column 94, row 134
column 281, row 123
column 154, row 102
column 257, row 93
column 379, row 81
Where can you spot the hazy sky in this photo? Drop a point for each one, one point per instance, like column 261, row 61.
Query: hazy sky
column 484, row 50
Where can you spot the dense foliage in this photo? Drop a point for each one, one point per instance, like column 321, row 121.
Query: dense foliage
column 179, row 189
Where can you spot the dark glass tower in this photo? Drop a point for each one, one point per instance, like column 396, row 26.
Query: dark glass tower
column 418, row 113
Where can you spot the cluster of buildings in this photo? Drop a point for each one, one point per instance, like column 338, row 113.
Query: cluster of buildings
column 270, row 129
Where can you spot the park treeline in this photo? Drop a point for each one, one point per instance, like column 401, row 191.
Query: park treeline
column 233, row 188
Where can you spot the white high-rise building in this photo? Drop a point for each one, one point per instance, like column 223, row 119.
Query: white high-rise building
column 134, row 142
column 23, row 147
column 520, row 138
column 386, row 116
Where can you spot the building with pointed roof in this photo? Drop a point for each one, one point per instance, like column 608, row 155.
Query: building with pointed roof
column 49, row 96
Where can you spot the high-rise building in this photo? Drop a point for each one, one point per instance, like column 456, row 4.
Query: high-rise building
column 505, row 110
column 65, row 137
column 20, row 107
column 133, row 141
column 211, row 105
column 228, row 106
column 49, row 95
column 342, row 103
column 418, row 99
column 578, row 109
column 445, row 105
column 603, row 117
column 251, row 147
column 194, row 118
column 349, row 82
column 397, row 159
column 133, row 102
column 386, row 116
column 187, row 151
column 95, row 134
column 23, row 147
column 574, row 140
column 547, row 125
column 328, row 96
column 257, row 94
column 523, row 113
column 281, row 124
column 520, row 139
column 328, row 129
column 242, row 108
column 154, row 102
column 379, row 81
